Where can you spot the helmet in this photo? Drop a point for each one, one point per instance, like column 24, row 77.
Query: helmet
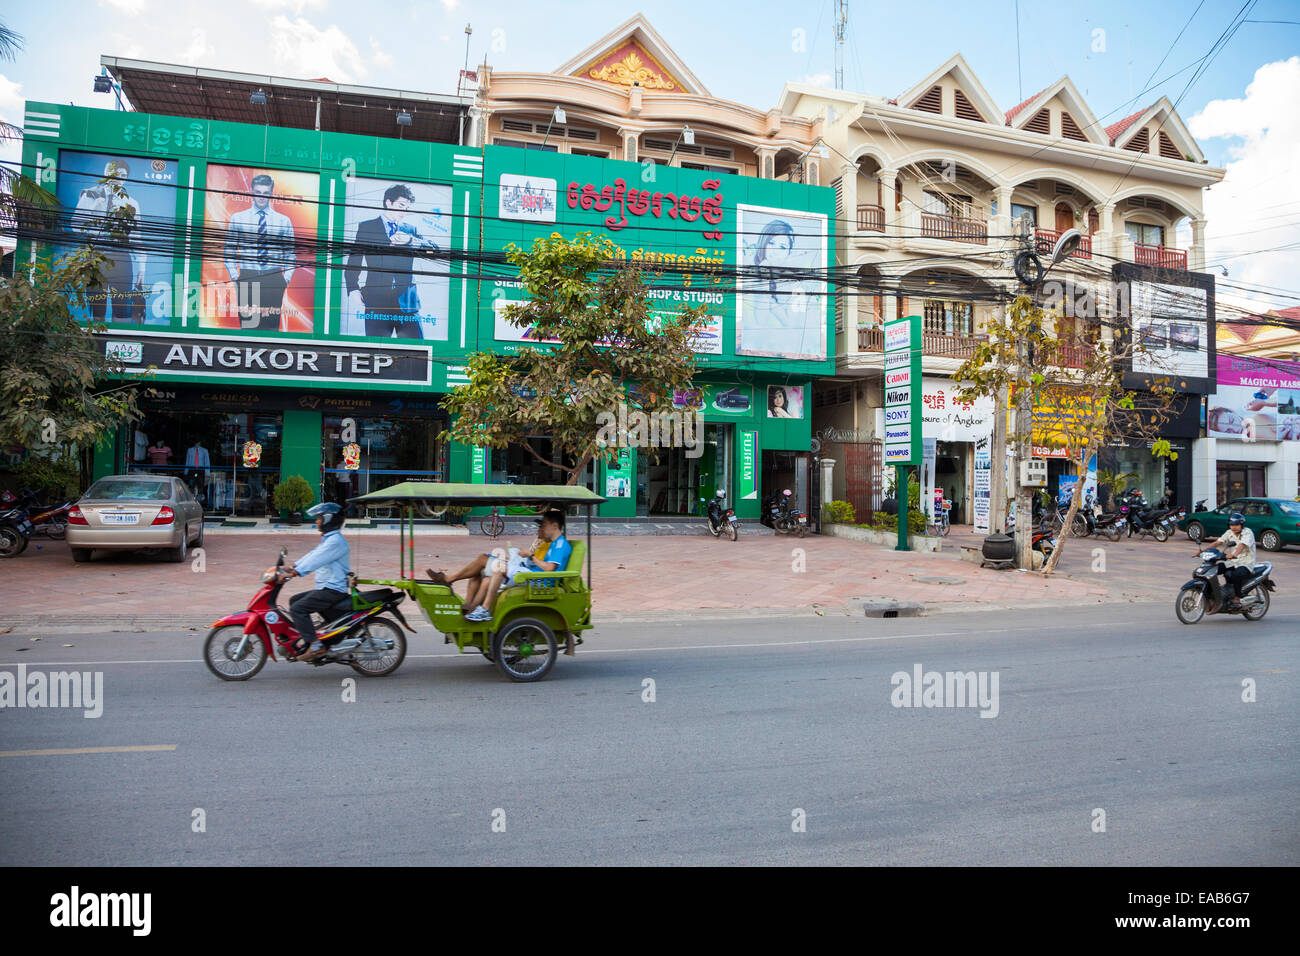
column 332, row 513
column 1236, row 518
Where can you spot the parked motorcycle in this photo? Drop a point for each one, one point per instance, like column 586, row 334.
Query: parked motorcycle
column 239, row 644
column 15, row 532
column 1145, row 521
column 1043, row 539
column 786, row 520
column 1206, row 593
column 1085, row 519
column 48, row 520
column 721, row 520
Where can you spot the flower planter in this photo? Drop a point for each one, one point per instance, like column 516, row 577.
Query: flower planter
column 915, row 542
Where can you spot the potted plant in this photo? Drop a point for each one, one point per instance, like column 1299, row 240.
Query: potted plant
column 456, row 514
column 292, row 495
column 889, row 504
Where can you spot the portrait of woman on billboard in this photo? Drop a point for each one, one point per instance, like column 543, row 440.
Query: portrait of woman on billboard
column 395, row 281
column 115, row 199
column 780, row 308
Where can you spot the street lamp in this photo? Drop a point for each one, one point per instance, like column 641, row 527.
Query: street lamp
column 557, row 116
column 1031, row 272
column 687, row 135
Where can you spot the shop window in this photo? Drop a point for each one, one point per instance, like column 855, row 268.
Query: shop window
column 382, row 452
column 231, row 463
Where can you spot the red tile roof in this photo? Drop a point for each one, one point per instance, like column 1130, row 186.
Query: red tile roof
column 1116, row 130
column 1011, row 113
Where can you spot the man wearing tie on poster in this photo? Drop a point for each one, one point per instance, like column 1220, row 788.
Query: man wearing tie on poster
column 384, row 250
column 257, row 240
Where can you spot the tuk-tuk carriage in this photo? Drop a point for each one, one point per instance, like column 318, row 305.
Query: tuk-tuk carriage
column 534, row 613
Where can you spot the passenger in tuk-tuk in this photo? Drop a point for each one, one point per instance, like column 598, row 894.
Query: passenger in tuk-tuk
column 488, row 573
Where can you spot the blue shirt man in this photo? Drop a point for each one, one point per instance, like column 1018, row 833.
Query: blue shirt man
column 330, row 560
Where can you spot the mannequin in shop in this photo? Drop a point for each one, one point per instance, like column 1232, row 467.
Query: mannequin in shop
column 159, row 454
column 197, row 463
column 139, row 447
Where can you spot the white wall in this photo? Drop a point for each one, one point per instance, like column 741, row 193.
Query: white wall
column 1282, row 458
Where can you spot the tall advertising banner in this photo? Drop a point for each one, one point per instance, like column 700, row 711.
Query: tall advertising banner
column 983, row 483
column 396, row 278
column 262, row 226
column 778, row 313
column 903, row 423
column 137, row 280
column 747, row 486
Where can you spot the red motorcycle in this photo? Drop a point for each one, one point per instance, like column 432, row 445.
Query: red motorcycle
column 239, row 644
column 49, row 520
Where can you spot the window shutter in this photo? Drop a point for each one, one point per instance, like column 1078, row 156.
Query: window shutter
column 1070, row 129
column 965, row 108
column 1041, row 123
column 1167, row 148
column 1141, row 143
column 931, row 102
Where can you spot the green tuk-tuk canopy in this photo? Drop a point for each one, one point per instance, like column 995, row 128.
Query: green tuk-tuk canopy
column 472, row 495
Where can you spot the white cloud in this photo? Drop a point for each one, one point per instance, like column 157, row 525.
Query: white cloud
column 11, row 101
column 301, row 49
column 1257, row 206
column 199, row 49
column 297, row 6
column 378, row 57
column 129, row 7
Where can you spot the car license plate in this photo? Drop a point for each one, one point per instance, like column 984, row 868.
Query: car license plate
column 120, row 517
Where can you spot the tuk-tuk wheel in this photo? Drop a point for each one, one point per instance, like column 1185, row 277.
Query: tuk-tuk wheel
column 525, row 649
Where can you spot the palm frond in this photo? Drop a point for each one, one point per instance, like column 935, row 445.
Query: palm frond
column 10, row 43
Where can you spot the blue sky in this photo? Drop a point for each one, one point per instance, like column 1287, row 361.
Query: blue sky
column 741, row 52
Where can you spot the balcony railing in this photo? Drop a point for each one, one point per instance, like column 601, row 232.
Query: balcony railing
column 936, row 344
column 935, row 226
column 871, row 218
column 1161, row 256
column 1045, row 242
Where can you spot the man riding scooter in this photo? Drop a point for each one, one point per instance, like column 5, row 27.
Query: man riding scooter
column 331, row 560
column 1240, row 561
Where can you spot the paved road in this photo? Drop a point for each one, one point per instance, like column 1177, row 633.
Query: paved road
column 1120, row 709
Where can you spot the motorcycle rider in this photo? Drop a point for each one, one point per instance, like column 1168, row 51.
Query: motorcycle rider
column 1240, row 561
column 331, row 560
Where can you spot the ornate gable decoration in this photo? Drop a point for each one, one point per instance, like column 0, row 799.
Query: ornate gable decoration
column 627, row 65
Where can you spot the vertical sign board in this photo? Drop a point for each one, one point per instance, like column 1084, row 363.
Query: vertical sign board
column 747, row 489
column 903, row 406
column 903, row 391
column 983, row 483
column 478, row 465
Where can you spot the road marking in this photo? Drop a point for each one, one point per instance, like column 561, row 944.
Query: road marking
column 63, row 751
column 471, row 655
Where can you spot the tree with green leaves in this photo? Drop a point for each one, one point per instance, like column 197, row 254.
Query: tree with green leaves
column 610, row 351
column 55, row 380
column 1073, row 380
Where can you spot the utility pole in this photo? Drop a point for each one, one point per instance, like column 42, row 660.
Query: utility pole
column 841, row 23
column 469, row 31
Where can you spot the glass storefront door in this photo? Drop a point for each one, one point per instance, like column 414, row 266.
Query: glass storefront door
column 207, row 450
column 671, row 481
column 1239, row 479
column 381, row 452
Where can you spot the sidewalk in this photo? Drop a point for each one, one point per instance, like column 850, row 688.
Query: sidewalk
column 634, row 577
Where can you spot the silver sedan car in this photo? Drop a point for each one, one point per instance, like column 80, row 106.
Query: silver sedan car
column 136, row 512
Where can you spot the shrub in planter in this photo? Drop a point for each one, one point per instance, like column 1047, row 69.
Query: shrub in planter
column 839, row 512
column 293, row 494
column 456, row 515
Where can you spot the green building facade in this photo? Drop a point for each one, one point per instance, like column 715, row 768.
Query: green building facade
column 299, row 302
